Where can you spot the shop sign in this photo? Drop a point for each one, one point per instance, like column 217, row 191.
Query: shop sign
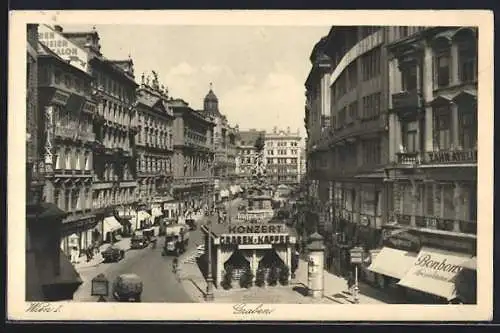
column 61, row 46
column 254, row 239
column 401, row 239
column 452, row 156
column 89, row 107
column 257, row 228
column 356, row 255
column 60, row 98
column 440, row 242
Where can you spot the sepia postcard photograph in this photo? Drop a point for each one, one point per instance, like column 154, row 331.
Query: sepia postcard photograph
column 250, row 165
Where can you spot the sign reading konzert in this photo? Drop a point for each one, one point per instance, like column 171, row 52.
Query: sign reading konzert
column 256, row 234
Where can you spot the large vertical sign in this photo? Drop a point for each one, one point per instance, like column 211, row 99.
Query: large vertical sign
column 63, row 47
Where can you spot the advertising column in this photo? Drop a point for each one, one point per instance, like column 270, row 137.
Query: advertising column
column 316, row 249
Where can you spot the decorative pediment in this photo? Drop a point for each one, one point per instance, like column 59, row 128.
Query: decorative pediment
column 464, row 95
column 442, row 99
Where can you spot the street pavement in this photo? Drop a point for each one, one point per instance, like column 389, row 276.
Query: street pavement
column 155, row 270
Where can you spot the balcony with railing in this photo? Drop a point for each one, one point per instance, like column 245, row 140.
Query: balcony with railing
column 438, row 223
column 71, row 133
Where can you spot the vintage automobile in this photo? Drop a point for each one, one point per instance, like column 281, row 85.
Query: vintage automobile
column 127, row 287
column 138, row 242
column 113, row 254
column 191, row 224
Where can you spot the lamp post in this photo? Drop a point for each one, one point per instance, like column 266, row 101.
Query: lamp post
column 100, row 287
column 209, row 295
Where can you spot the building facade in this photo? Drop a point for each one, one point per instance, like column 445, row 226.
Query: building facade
column 49, row 273
column 282, row 157
column 353, row 145
column 193, row 156
column 248, row 154
column 155, row 145
column 433, row 171
column 115, row 125
column 224, row 138
column 65, row 96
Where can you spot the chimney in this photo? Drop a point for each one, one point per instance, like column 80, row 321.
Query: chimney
column 58, row 28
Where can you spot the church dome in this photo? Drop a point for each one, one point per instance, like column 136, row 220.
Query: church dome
column 211, row 102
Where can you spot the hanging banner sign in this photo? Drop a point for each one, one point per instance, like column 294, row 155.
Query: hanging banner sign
column 63, row 47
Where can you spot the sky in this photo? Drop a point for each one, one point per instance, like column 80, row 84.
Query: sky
column 258, row 72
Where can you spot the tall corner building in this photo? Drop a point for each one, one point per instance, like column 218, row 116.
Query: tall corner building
column 391, row 115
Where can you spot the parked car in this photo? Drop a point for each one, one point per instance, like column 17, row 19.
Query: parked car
column 127, row 287
column 113, row 253
column 138, row 242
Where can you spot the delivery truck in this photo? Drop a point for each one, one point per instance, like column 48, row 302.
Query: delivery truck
column 176, row 239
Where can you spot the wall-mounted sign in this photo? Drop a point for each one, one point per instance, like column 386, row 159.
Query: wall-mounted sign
column 401, row 239
column 60, row 97
column 63, row 47
column 452, row 156
column 254, row 239
column 89, row 107
column 257, row 228
column 440, row 242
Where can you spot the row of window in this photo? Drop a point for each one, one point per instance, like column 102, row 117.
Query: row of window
column 67, row 119
column 195, row 136
column 444, row 73
column 72, row 159
column 73, row 199
column 112, row 139
column 282, row 144
column 157, row 139
column 109, row 172
column 281, row 161
column 154, row 164
column 281, row 171
column 370, row 66
column 71, row 82
column 436, row 200
column 282, row 152
column 114, row 88
column 154, row 122
column 368, row 200
column 108, row 197
column 116, row 113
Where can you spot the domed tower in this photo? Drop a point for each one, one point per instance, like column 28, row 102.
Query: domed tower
column 211, row 102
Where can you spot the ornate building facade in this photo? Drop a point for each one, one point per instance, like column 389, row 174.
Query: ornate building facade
column 115, row 125
column 69, row 107
column 49, row 273
column 282, row 156
column 155, row 144
column 224, row 143
column 347, row 94
column 193, row 156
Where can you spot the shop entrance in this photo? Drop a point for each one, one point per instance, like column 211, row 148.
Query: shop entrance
column 270, row 260
column 236, row 265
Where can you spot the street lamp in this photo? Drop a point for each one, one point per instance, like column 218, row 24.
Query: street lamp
column 100, row 287
column 209, row 295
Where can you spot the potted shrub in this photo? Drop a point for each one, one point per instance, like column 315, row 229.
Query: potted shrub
column 227, row 280
column 260, row 278
column 284, row 275
column 272, row 278
column 246, row 279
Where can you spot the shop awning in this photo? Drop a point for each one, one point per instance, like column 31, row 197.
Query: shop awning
column 111, row 224
column 393, row 262
column 471, row 264
column 434, row 272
